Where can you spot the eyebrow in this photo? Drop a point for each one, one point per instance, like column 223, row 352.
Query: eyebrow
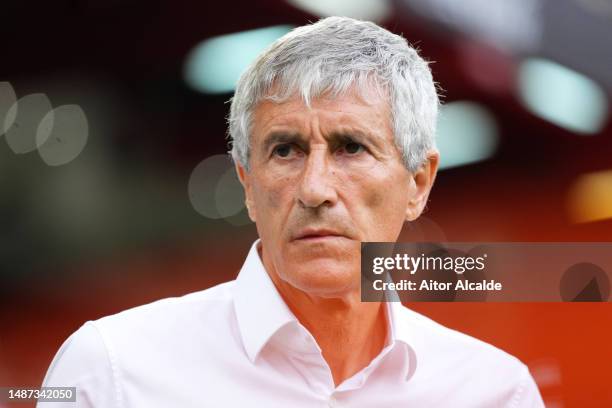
column 276, row 138
column 336, row 138
column 355, row 135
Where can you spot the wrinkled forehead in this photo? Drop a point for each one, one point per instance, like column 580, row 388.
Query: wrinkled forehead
column 368, row 111
column 365, row 88
column 367, row 99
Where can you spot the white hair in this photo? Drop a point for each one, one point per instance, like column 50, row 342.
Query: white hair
column 332, row 56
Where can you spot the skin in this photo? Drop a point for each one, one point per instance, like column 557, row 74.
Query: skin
column 323, row 179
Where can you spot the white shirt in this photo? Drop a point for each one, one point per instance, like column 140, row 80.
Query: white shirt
column 238, row 345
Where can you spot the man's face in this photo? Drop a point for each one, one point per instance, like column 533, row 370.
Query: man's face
column 322, row 180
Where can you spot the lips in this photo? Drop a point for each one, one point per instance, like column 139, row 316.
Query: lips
column 315, row 233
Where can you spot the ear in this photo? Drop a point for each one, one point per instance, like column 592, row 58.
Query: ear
column 422, row 181
column 245, row 180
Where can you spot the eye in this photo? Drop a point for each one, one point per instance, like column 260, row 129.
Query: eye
column 353, row 148
column 283, row 150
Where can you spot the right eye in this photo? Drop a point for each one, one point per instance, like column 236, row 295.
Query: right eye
column 283, row 150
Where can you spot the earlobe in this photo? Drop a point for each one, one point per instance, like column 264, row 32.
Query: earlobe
column 250, row 210
column 421, row 184
column 411, row 213
column 243, row 176
column 415, row 208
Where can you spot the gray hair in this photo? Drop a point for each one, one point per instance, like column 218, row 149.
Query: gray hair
column 330, row 57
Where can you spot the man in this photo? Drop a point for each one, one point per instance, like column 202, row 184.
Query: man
column 333, row 139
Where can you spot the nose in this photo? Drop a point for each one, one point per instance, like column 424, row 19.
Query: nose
column 316, row 186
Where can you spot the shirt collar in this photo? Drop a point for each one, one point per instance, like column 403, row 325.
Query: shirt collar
column 403, row 332
column 260, row 309
column 261, row 312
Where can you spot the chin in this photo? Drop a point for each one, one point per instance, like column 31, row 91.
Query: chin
column 325, row 277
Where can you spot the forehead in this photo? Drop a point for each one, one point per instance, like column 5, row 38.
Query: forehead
column 368, row 112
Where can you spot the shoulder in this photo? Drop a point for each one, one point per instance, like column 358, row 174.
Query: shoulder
column 83, row 362
column 197, row 306
column 143, row 342
column 162, row 327
column 170, row 326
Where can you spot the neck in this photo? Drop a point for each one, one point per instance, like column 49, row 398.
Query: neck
column 349, row 332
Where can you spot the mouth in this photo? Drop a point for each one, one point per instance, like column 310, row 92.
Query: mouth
column 313, row 235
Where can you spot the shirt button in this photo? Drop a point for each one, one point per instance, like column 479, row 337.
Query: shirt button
column 333, row 402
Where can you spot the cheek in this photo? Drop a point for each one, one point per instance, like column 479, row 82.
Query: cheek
column 375, row 198
column 378, row 204
column 374, row 191
column 271, row 195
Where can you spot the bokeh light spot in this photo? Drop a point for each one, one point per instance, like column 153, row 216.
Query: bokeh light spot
column 215, row 65
column 62, row 135
column 467, row 133
column 206, row 197
column 25, row 116
column 590, row 197
column 562, row 96
column 229, row 195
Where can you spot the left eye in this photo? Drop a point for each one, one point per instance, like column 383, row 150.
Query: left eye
column 353, row 148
